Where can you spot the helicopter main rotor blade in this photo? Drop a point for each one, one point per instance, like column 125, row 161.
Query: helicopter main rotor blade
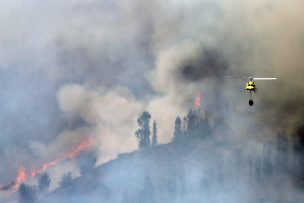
column 264, row 78
column 237, row 77
column 250, row 78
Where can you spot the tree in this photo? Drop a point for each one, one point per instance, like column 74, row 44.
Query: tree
column 147, row 195
column 172, row 190
column 27, row 193
column 143, row 133
column 44, row 182
column 66, row 180
column 282, row 150
column 154, row 134
column 86, row 162
column 178, row 129
column 191, row 117
column 298, row 147
column 267, row 163
column 203, row 127
column 282, row 142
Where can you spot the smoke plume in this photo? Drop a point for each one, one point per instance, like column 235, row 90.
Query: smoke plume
column 69, row 70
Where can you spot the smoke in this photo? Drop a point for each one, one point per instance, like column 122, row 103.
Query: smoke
column 107, row 115
column 277, row 30
column 88, row 68
column 45, row 48
column 188, row 172
column 210, row 65
column 258, row 39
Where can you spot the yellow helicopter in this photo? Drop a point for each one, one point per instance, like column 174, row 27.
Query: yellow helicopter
column 250, row 85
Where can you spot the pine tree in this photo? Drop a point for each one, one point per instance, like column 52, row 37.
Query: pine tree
column 178, row 129
column 27, row 193
column 86, row 162
column 203, row 127
column 282, row 150
column 66, row 180
column 143, row 133
column 154, row 134
column 172, row 189
column 298, row 147
column 191, row 117
column 282, row 142
column 147, row 195
column 44, row 182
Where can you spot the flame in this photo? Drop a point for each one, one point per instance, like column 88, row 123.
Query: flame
column 197, row 101
column 22, row 176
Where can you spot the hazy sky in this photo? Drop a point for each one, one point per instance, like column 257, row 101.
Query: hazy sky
column 73, row 69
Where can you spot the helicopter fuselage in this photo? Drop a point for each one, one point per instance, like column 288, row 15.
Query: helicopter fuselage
column 251, row 87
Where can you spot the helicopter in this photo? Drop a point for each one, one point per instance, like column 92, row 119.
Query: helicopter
column 251, row 86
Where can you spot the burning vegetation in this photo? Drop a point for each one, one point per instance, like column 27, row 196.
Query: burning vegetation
column 23, row 176
column 180, row 171
column 100, row 66
column 197, row 166
column 197, row 101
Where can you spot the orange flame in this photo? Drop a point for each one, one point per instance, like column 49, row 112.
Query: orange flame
column 21, row 177
column 75, row 152
column 197, row 101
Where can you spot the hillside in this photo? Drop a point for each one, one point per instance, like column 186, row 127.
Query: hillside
column 191, row 170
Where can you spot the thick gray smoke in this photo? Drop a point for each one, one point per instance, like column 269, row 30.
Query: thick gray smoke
column 211, row 64
column 71, row 70
column 258, row 39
